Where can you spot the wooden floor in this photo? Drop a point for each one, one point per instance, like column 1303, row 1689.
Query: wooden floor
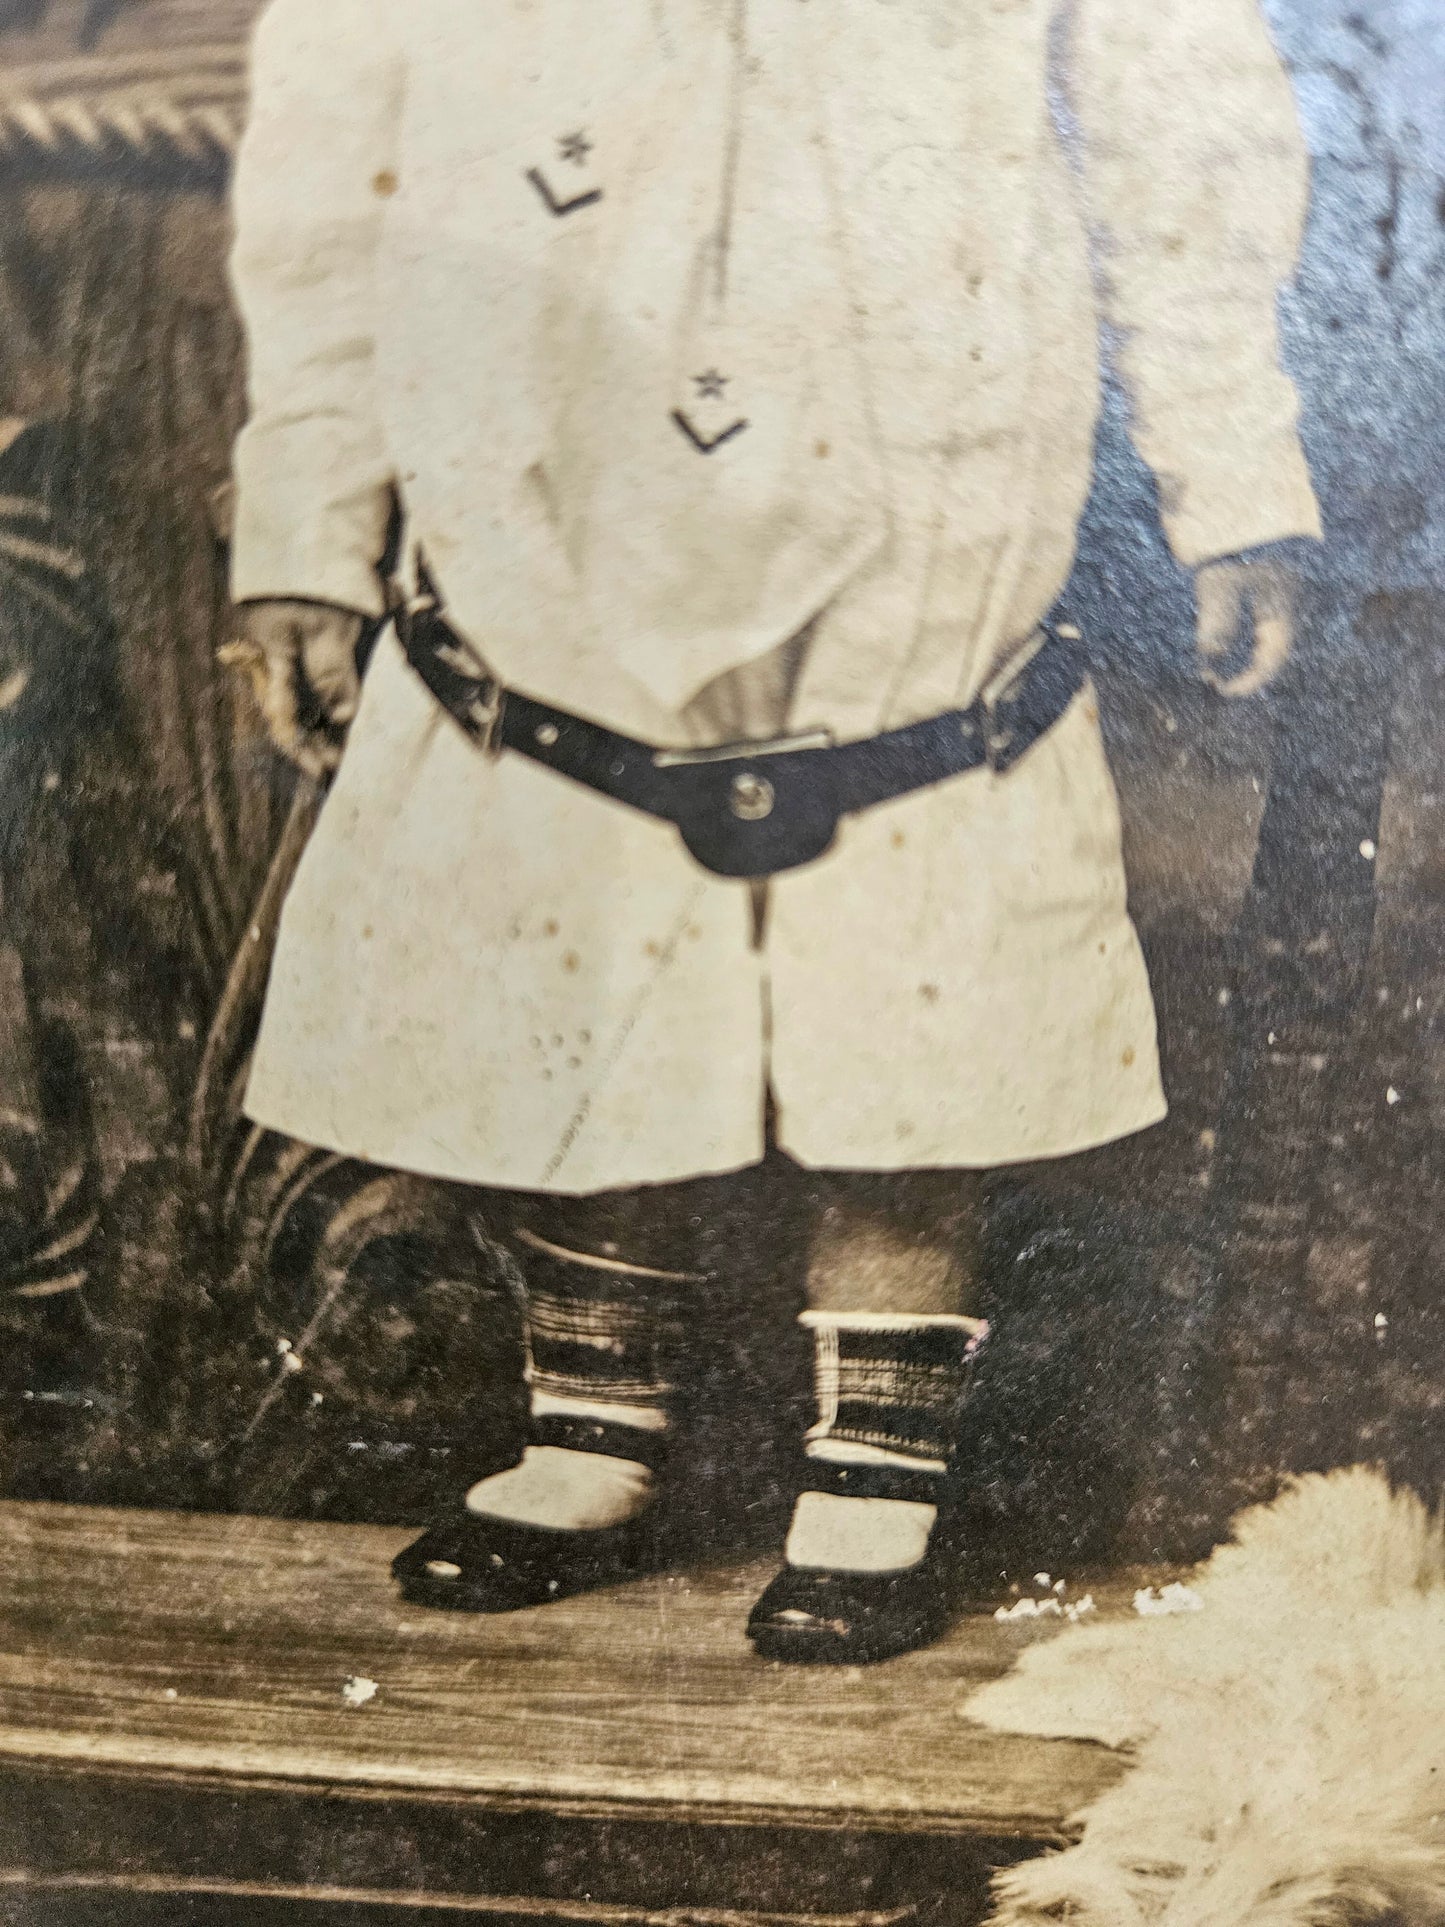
column 174, row 1693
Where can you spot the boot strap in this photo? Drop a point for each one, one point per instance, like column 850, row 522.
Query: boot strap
column 905, row 1482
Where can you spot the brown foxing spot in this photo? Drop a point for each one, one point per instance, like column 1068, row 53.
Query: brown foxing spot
column 571, row 961
column 898, row 839
column 929, row 993
column 822, row 450
column 652, row 947
column 550, row 927
column 384, row 183
column 1128, row 1057
column 367, row 931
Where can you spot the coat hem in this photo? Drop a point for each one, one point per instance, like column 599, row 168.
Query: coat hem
column 493, row 1178
column 1032, row 1152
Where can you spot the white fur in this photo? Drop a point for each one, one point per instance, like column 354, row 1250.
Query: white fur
column 1289, row 1766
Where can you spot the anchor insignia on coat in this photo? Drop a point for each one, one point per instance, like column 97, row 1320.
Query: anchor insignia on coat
column 574, row 148
column 709, row 388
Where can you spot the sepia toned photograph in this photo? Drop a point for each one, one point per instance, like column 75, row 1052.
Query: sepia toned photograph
column 722, row 963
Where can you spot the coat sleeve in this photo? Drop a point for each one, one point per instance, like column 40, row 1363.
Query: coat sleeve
column 312, row 474
column 1196, row 183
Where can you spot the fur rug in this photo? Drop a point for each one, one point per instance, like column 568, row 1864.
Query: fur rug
column 1288, row 1739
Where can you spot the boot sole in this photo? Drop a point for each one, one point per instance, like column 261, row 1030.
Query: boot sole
column 798, row 1647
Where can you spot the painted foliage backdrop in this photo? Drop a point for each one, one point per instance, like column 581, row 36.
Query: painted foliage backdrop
column 192, row 1312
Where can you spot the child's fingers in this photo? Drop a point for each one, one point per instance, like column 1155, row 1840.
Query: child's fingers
column 1273, row 640
column 1220, row 592
column 328, row 660
column 281, row 709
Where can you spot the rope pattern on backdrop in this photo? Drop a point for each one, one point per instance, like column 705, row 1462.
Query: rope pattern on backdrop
column 74, row 136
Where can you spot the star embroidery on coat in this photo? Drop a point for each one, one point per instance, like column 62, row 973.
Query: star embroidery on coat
column 711, row 385
column 575, row 148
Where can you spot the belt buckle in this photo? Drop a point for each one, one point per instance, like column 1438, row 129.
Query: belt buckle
column 1001, row 742
column 750, row 795
column 484, row 716
column 995, row 717
column 1002, row 709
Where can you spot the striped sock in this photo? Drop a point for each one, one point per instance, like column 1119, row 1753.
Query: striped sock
column 890, row 1388
column 602, row 1344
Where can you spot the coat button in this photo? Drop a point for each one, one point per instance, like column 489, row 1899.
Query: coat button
column 751, row 797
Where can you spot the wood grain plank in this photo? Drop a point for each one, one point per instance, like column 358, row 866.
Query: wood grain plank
column 510, row 1907
column 158, row 1643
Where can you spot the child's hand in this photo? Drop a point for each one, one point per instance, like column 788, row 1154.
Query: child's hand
column 1245, row 603
column 302, row 659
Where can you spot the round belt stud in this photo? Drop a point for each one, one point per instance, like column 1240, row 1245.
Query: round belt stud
column 750, row 797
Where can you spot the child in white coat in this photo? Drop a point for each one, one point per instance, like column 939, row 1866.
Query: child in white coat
column 734, row 365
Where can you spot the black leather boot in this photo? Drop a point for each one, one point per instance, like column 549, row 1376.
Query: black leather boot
column 603, row 1339
column 469, row 1562
column 889, row 1393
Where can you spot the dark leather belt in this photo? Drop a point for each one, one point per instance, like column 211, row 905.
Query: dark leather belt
column 745, row 809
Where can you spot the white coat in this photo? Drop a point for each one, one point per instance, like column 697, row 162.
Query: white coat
column 487, row 973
